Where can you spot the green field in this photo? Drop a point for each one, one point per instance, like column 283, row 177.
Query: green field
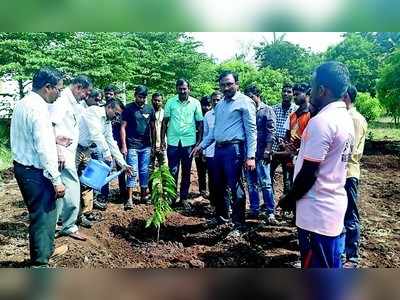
column 383, row 129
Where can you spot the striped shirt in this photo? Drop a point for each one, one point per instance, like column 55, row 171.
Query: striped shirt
column 32, row 137
column 281, row 117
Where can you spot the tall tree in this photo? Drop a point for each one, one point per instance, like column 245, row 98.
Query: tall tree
column 283, row 55
column 362, row 57
column 268, row 80
column 388, row 85
column 21, row 53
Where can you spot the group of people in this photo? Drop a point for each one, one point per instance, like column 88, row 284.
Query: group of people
column 236, row 139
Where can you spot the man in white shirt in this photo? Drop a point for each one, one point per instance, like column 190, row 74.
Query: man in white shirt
column 34, row 152
column 320, row 172
column 208, row 123
column 158, row 154
column 96, row 129
column 65, row 115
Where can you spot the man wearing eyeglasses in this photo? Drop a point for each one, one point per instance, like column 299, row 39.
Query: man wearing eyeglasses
column 65, row 115
column 33, row 148
column 235, row 134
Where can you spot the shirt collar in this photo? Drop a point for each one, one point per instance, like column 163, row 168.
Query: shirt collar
column 301, row 111
column 261, row 106
column 37, row 97
column 70, row 96
column 235, row 97
column 186, row 102
column 334, row 105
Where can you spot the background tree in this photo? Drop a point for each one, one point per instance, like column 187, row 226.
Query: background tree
column 362, row 57
column 287, row 57
column 368, row 106
column 22, row 53
column 388, row 85
column 268, row 80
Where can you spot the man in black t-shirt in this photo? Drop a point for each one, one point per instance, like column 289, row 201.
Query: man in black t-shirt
column 137, row 139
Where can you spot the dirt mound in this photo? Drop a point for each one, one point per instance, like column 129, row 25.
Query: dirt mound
column 189, row 240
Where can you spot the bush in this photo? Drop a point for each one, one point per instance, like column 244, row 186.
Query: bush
column 368, row 106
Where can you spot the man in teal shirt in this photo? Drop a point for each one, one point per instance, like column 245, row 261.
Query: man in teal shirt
column 182, row 116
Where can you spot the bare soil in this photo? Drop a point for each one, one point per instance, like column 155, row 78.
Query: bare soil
column 120, row 239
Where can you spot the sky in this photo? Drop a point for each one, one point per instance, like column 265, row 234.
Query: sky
column 224, row 45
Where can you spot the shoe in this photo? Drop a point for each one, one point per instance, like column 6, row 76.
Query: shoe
column 84, row 222
column 128, row 204
column 297, row 264
column 204, row 194
column 59, row 251
column 58, row 228
column 271, row 220
column 350, row 265
column 234, row 234
column 145, row 199
column 77, row 236
column 216, row 221
column 93, row 216
column 99, row 205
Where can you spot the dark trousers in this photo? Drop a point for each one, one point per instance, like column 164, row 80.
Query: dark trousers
column 229, row 176
column 287, row 173
column 211, row 179
column 201, row 167
column 319, row 251
column 123, row 193
column 178, row 155
column 352, row 220
column 39, row 196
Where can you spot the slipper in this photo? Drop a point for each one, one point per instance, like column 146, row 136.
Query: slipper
column 77, row 236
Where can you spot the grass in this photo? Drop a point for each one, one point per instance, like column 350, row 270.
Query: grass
column 5, row 158
column 383, row 129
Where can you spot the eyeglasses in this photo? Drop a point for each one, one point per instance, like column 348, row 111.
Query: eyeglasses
column 56, row 88
column 226, row 84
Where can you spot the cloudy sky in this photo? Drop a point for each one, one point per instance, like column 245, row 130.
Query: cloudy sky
column 224, row 45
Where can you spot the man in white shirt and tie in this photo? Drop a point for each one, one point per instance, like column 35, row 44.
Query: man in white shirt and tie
column 34, row 152
column 65, row 116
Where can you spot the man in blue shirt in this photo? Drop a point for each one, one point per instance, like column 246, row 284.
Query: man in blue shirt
column 235, row 134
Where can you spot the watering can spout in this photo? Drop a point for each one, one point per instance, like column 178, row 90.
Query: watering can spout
column 112, row 176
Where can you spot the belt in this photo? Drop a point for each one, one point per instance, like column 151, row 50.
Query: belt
column 84, row 148
column 227, row 143
column 23, row 166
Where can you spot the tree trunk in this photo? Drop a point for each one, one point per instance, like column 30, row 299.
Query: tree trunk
column 123, row 95
column 21, row 88
column 158, row 234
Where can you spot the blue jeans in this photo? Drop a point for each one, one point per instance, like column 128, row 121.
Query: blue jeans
column 352, row 221
column 228, row 164
column 319, row 251
column 139, row 160
column 211, row 179
column 260, row 179
column 180, row 155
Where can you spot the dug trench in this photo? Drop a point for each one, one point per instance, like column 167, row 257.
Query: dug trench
column 188, row 240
